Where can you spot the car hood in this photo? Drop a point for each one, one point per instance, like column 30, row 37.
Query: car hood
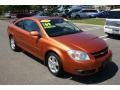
column 82, row 41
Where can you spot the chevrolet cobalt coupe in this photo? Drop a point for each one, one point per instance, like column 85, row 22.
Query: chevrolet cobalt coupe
column 61, row 45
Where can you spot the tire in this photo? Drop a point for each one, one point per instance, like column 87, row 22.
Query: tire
column 77, row 17
column 109, row 35
column 13, row 44
column 54, row 64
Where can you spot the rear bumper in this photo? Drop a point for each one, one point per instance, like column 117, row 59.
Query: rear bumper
column 87, row 67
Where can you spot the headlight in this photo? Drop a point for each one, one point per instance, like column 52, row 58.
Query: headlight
column 78, row 55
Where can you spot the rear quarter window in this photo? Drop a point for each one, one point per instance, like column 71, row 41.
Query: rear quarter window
column 30, row 25
column 19, row 24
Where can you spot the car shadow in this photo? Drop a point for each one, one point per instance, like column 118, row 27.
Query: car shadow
column 64, row 76
column 108, row 72
column 117, row 37
column 33, row 57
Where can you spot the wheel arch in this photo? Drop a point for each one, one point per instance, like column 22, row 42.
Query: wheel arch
column 10, row 35
column 57, row 52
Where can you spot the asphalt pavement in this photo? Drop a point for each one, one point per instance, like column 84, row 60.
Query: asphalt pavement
column 23, row 68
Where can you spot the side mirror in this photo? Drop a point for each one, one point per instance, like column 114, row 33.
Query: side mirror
column 34, row 33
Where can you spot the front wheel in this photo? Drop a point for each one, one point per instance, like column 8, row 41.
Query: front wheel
column 109, row 35
column 54, row 64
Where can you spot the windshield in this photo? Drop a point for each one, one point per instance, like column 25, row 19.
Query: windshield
column 113, row 23
column 112, row 14
column 59, row 27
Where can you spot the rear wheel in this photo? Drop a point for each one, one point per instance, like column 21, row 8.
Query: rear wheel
column 13, row 45
column 54, row 64
column 109, row 35
column 77, row 17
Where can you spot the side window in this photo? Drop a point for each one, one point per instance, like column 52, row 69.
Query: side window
column 84, row 11
column 19, row 24
column 30, row 25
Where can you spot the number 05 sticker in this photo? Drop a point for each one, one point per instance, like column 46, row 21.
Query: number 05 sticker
column 47, row 24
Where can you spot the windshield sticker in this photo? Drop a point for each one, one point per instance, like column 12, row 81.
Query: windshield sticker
column 45, row 20
column 47, row 25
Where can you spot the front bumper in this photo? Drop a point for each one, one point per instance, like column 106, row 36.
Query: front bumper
column 115, row 31
column 86, row 67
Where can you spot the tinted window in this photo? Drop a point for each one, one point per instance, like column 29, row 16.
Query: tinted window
column 90, row 11
column 59, row 27
column 75, row 10
column 20, row 24
column 113, row 23
column 113, row 14
column 30, row 25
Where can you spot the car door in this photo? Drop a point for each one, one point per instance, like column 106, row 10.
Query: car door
column 18, row 32
column 83, row 13
column 24, row 39
column 31, row 42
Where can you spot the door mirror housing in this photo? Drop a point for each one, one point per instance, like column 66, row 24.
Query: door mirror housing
column 34, row 33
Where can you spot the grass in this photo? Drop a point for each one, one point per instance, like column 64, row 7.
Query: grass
column 95, row 21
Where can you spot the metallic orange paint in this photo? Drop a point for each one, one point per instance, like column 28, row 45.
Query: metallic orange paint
column 60, row 45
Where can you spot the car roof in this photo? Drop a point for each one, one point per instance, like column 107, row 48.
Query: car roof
column 46, row 17
column 37, row 18
column 115, row 9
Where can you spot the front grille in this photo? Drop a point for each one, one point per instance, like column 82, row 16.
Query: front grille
column 100, row 53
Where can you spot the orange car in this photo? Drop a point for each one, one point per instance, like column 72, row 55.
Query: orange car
column 59, row 44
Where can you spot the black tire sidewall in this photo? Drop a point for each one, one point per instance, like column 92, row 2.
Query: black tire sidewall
column 110, row 35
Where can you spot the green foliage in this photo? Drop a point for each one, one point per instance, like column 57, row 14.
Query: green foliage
column 1, row 9
column 36, row 7
column 14, row 8
column 48, row 9
column 95, row 21
column 67, row 6
column 17, row 8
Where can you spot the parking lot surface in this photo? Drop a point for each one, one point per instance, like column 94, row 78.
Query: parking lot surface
column 23, row 68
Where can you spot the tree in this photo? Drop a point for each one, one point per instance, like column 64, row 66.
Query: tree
column 17, row 8
column 67, row 6
column 1, row 9
column 36, row 7
column 50, row 9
